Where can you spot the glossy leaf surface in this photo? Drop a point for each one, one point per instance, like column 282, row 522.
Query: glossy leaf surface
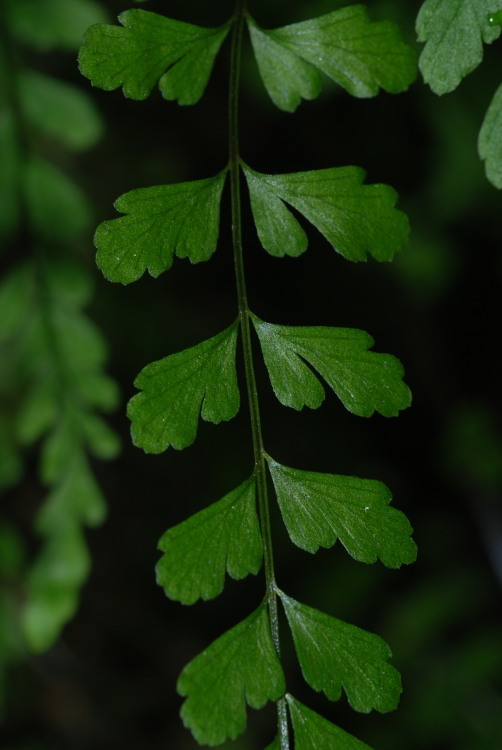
column 359, row 55
column 162, row 221
column 490, row 140
column 365, row 381
column 148, row 49
column 240, row 667
column 335, row 655
column 177, row 390
column 356, row 219
column 320, row 508
column 454, row 32
column 225, row 537
column 314, row 732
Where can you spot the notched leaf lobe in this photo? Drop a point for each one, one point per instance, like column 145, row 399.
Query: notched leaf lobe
column 357, row 220
column 240, row 667
column 148, row 49
column 225, row 537
column 320, row 508
column 177, row 390
column 161, row 221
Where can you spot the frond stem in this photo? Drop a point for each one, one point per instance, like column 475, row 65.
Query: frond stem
column 244, row 315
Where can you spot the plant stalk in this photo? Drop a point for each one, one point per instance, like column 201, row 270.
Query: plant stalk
column 260, row 469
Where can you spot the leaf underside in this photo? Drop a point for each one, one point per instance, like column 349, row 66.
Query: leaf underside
column 356, row 219
column 453, row 32
column 334, row 654
column 490, row 140
column 319, row 508
column 161, row 221
column 223, row 537
column 240, row 667
column 314, row 732
column 176, row 390
column 345, row 45
column 148, row 49
column 365, row 381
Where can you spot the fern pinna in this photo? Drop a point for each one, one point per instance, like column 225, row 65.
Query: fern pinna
column 234, row 535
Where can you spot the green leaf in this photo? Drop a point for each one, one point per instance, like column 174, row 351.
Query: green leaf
column 37, row 414
column 356, row 219
column 53, row 24
column 175, row 388
column 101, row 440
column 313, row 732
column 319, row 508
column 59, row 211
column 52, row 587
column 59, row 449
column 365, row 381
column 334, row 654
column 149, row 49
column 75, row 499
column 287, row 78
column 183, row 218
column 490, row 140
column 59, row 110
column 275, row 744
column 223, row 537
column 359, row 55
column 454, row 32
column 240, row 666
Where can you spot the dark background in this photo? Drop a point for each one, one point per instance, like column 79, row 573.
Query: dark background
column 110, row 680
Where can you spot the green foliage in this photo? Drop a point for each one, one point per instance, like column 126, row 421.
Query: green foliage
column 243, row 665
column 57, row 208
column 345, row 45
column 52, row 24
column 313, row 732
column 454, row 32
column 180, row 219
column 59, row 110
column 319, row 508
column 175, row 388
column 52, row 380
column 60, row 356
column 223, row 537
column 356, row 219
column 364, row 381
column 151, row 49
column 352, row 658
column 490, row 140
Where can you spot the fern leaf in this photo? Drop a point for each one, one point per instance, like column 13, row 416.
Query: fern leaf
column 162, row 221
column 240, row 667
column 356, row 219
column 335, row 655
column 148, row 49
column 176, row 390
column 365, row 381
column 223, row 537
column 359, row 55
column 319, row 508
column 313, row 732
